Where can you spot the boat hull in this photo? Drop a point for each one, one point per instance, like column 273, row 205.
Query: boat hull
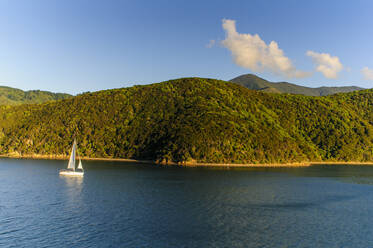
column 71, row 173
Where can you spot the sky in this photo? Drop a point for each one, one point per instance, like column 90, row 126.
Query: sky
column 75, row 46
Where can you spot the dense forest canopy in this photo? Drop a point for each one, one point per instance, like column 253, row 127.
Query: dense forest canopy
column 195, row 119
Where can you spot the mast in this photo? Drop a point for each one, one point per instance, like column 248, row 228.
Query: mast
column 71, row 164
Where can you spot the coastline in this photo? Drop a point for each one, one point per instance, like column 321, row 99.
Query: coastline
column 190, row 164
column 66, row 157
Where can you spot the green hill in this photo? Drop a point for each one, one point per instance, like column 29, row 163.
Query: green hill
column 195, row 119
column 253, row 82
column 12, row 96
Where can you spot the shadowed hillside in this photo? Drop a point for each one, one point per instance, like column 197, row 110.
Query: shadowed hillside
column 195, row 119
column 253, row 82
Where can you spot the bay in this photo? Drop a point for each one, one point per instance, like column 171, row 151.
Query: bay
column 120, row 204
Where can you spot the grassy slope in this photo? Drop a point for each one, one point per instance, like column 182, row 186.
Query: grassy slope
column 196, row 119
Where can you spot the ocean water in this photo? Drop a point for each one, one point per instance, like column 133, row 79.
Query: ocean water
column 132, row 205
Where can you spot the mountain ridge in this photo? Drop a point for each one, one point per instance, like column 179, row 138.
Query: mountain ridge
column 254, row 82
column 14, row 96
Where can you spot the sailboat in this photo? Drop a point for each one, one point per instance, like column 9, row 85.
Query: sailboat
column 71, row 170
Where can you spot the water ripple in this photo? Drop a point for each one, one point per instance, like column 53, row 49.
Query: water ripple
column 139, row 206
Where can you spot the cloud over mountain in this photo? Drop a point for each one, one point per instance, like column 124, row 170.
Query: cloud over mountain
column 328, row 65
column 251, row 52
column 367, row 73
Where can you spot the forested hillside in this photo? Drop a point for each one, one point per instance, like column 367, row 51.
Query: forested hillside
column 12, row 96
column 195, row 119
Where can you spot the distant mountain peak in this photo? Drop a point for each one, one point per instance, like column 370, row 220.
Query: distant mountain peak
column 254, row 82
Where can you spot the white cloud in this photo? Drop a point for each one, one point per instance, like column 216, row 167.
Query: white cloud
column 211, row 44
column 367, row 73
column 328, row 65
column 251, row 52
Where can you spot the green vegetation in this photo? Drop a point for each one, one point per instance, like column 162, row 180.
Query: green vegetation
column 12, row 96
column 253, row 82
column 195, row 119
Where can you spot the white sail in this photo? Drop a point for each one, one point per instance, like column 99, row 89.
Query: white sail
column 80, row 166
column 71, row 164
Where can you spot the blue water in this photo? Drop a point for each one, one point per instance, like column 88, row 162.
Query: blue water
column 132, row 205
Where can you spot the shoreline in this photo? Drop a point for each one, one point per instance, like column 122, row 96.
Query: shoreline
column 65, row 157
column 190, row 164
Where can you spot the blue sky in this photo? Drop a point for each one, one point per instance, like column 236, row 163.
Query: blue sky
column 85, row 45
